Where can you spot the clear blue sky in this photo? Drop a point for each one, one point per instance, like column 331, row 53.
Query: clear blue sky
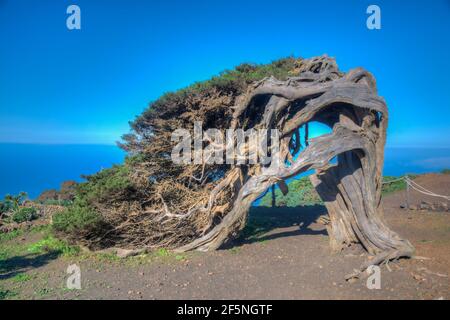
column 83, row 86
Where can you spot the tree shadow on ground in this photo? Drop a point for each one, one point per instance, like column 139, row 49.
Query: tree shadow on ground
column 12, row 266
column 263, row 223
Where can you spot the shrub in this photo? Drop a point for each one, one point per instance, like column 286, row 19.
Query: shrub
column 105, row 183
column 52, row 202
column 76, row 219
column 301, row 192
column 51, row 244
column 5, row 206
column 395, row 185
column 12, row 203
column 24, row 214
column 445, row 171
column 48, row 195
column 81, row 220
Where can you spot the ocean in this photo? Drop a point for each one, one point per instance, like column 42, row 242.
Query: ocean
column 36, row 167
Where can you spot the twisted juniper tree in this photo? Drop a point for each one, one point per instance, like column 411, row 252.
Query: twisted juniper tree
column 202, row 206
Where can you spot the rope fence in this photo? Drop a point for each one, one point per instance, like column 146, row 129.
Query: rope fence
column 417, row 187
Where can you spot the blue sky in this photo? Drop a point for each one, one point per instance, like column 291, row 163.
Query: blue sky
column 83, row 86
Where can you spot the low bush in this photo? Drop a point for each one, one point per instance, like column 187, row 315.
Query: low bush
column 76, row 219
column 24, row 214
column 51, row 244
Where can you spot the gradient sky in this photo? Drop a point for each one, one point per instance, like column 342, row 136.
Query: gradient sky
column 83, row 86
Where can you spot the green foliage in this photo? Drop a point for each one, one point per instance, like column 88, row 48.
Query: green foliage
column 162, row 252
column 173, row 104
column 301, row 192
column 6, row 294
column 12, row 202
column 51, row 244
column 21, row 277
column 4, row 254
column 105, row 183
column 395, row 185
column 245, row 74
column 5, row 206
column 389, row 187
column 255, row 228
column 49, row 202
column 10, row 235
column 445, row 171
column 78, row 218
column 24, row 214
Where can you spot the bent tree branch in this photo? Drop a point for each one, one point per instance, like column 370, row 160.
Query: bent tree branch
column 170, row 207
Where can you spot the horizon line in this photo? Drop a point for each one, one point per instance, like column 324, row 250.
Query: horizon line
column 115, row 144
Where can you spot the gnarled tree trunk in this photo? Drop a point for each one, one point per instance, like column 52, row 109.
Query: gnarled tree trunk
column 201, row 206
column 350, row 188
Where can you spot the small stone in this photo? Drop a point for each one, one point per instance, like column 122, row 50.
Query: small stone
column 425, row 205
column 443, row 206
column 125, row 253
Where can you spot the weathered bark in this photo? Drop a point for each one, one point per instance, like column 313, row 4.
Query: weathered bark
column 351, row 189
column 202, row 205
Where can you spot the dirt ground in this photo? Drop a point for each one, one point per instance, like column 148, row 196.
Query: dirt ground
column 284, row 255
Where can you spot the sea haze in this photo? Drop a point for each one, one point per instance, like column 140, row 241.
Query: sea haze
column 36, row 167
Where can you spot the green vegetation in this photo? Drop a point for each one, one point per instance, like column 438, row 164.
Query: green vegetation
column 21, row 277
column 180, row 257
column 247, row 73
column 162, row 252
column 12, row 210
column 10, row 235
column 256, row 227
column 103, row 184
column 235, row 80
column 389, row 187
column 24, row 214
column 91, row 214
column 75, row 219
column 5, row 206
column 6, row 294
column 80, row 218
column 445, row 171
column 49, row 202
column 12, row 203
column 301, row 192
column 51, row 244
column 395, row 185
